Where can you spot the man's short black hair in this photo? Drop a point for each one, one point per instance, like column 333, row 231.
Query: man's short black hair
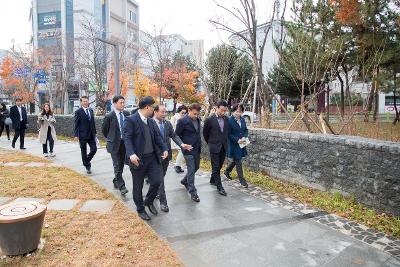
column 83, row 97
column 157, row 107
column 222, row 103
column 182, row 107
column 195, row 106
column 117, row 98
column 236, row 107
column 146, row 101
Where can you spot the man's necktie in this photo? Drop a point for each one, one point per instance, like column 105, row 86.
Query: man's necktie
column 87, row 113
column 162, row 130
column 121, row 122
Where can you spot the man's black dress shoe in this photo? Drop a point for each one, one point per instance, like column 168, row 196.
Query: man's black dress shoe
column 144, row 216
column 152, row 209
column 195, row 198
column 123, row 190
column 178, row 169
column 228, row 176
column 23, row 148
column 88, row 171
column 222, row 192
column 164, row 207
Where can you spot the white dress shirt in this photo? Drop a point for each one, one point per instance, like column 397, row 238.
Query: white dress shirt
column 20, row 113
column 144, row 119
column 117, row 112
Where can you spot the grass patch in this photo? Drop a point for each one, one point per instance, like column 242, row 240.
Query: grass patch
column 74, row 238
column 14, row 156
column 330, row 202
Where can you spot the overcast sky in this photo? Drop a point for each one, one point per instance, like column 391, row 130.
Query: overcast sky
column 186, row 17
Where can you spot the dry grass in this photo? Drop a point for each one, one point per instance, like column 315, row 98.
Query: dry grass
column 119, row 238
column 381, row 130
column 49, row 183
column 13, row 156
column 74, row 238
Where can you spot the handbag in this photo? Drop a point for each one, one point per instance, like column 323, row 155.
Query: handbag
column 8, row 122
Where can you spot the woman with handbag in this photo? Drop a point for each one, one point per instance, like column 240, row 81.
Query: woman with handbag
column 238, row 131
column 5, row 121
column 47, row 131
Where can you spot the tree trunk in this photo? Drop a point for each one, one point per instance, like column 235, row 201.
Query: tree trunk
column 341, row 94
column 371, row 95
column 397, row 115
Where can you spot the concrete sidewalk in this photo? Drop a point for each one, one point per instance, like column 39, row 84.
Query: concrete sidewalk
column 242, row 229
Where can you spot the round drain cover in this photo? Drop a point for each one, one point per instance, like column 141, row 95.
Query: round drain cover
column 20, row 211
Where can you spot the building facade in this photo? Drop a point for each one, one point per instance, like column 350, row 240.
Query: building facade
column 65, row 27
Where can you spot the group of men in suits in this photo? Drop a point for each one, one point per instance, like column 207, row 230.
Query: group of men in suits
column 143, row 142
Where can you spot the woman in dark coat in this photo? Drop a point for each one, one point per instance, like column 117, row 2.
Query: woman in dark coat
column 4, row 114
column 238, row 130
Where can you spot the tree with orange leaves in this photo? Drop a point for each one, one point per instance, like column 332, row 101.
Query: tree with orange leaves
column 347, row 12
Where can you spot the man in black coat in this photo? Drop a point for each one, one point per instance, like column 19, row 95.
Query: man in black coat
column 215, row 132
column 143, row 140
column 85, row 131
column 189, row 130
column 113, row 124
column 167, row 133
column 19, row 122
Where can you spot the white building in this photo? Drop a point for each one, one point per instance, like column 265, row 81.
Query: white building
column 169, row 44
column 270, row 56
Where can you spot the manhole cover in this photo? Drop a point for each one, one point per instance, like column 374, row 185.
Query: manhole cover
column 20, row 211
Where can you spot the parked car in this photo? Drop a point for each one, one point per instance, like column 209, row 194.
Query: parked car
column 130, row 107
column 250, row 117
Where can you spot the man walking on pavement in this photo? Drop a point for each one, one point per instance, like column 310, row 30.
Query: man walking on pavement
column 142, row 140
column 85, row 131
column 112, row 129
column 19, row 122
column 188, row 129
column 167, row 133
column 215, row 132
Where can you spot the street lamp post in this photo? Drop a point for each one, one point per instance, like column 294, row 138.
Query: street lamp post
column 116, row 63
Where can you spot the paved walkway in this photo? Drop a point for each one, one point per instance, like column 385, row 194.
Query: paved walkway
column 246, row 228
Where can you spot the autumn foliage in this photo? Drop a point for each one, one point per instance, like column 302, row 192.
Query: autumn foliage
column 347, row 11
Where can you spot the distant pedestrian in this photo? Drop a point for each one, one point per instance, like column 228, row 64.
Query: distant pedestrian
column 5, row 121
column 85, row 132
column 189, row 130
column 113, row 125
column 215, row 132
column 180, row 113
column 238, row 131
column 47, row 131
column 19, row 120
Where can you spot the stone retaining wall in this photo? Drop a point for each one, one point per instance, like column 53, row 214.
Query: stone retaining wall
column 367, row 169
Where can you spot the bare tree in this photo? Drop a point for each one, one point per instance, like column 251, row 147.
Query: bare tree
column 92, row 57
column 254, row 35
column 156, row 51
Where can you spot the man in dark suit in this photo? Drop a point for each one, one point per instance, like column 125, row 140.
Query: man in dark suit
column 215, row 132
column 142, row 140
column 19, row 122
column 167, row 133
column 188, row 129
column 113, row 124
column 85, row 131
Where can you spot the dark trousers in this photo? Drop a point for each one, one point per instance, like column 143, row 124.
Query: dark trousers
column 7, row 127
column 49, row 140
column 118, row 160
column 19, row 133
column 161, row 190
column 192, row 164
column 217, row 160
column 86, row 158
column 239, row 167
column 149, row 167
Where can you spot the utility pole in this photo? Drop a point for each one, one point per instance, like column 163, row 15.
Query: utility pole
column 116, row 63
